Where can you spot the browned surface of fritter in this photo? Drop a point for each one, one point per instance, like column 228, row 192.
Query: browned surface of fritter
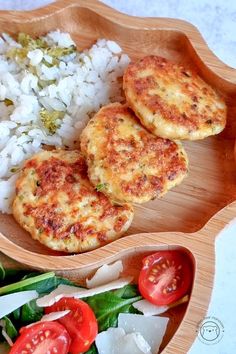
column 172, row 101
column 57, row 204
column 126, row 161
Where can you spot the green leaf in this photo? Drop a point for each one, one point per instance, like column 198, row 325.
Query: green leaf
column 107, row 306
column 101, row 186
column 127, row 291
column 10, row 328
column 33, row 283
column 2, row 272
column 16, row 314
column 9, row 275
column 92, row 350
column 30, row 312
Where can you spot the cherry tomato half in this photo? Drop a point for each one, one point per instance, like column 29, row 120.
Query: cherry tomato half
column 165, row 277
column 42, row 337
column 80, row 323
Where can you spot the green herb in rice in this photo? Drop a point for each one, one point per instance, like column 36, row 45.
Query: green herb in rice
column 8, row 102
column 14, row 169
column 28, row 44
column 44, row 83
column 51, row 120
column 58, row 52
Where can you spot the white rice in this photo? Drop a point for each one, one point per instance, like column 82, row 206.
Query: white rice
column 84, row 81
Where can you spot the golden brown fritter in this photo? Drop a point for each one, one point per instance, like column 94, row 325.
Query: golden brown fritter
column 58, row 206
column 172, row 101
column 125, row 161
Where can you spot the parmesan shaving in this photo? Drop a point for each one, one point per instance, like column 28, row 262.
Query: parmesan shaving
column 53, row 316
column 105, row 274
column 116, row 341
column 149, row 309
column 11, row 302
column 152, row 328
column 6, row 336
column 78, row 293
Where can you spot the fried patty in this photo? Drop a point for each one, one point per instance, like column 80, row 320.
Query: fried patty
column 125, row 161
column 172, row 101
column 58, row 206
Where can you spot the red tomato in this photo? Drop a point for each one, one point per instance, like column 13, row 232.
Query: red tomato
column 165, row 277
column 80, row 323
column 42, row 337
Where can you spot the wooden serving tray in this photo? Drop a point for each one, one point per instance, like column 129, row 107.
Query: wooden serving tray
column 178, row 219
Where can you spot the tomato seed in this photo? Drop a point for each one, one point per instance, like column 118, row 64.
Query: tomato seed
column 151, row 278
column 47, row 334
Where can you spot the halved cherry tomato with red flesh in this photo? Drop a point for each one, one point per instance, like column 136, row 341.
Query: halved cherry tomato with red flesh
column 80, row 323
column 42, row 337
column 165, row 277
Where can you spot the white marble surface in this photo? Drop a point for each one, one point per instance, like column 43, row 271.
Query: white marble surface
column 216, row 20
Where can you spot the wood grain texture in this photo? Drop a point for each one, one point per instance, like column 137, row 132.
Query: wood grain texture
column 177, row 219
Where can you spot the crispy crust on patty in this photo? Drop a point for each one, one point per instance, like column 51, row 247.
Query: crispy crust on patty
column 172, row 101
column 126, row 161
column 58, row 206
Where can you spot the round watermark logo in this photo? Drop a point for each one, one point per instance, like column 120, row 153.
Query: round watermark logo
column 210, row 330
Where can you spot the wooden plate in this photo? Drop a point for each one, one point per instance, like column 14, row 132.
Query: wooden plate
column 183, row 212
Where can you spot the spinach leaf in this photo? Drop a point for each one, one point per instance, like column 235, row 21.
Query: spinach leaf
column 92, row 350
column 9, row 327
column 2, row 272
column 30, row 312
column 108, row 305
column 26, row 284
column 16, row 314
column 42, row 283
column 9, row 275
column 127, row 291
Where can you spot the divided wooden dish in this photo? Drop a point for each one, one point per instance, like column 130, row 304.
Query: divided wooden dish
column 177, row 219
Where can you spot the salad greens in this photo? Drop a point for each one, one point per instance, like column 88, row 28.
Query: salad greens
column 42, row 283
column 106, row 306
